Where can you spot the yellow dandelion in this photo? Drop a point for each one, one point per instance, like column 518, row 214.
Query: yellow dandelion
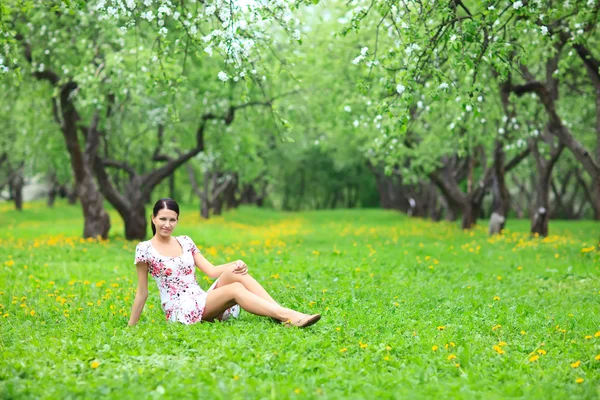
column 576, row 364
column 498, row 349
column 519, row 268
column 388, row 348
column 598, row 357
column 542, row 352
column 95, row 364
column 496, row 327
column 451, row 357
column 579, row 380
column 457, row 365
column 434, row 348
column 441, row 328
column 297, row 391
column 523, row 333
column 338, row 329
column 32, row 313
column 597, row 334
column 343, row 350
column 533, row 358
column 499, row 277
column 235, row 377
column 502, row 344
column 496, row 298
column 363, row 345
column 588, row 337
column 386, row 358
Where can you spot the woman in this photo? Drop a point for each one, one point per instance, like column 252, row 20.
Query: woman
column 171, row 260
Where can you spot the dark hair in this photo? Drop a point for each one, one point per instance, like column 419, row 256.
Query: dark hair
column 165, row 203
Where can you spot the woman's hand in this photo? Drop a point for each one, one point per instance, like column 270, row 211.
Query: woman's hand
column 240, row 267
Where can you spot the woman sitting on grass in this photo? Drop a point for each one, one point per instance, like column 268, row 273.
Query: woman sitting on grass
column 171, row 260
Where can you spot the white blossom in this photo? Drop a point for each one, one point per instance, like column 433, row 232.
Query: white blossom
column 400, row 89
column 443, row 85
column 544, row 30
column 347, row 109
column 356, row 123
column 517, row 4
column 223, row 76
column 148, row 15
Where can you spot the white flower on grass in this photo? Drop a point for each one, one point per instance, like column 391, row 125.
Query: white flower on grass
column 419, row 104
column 517, row 4
column 176, row 15
column 544, row 30
column 356, row 123
column 501, row 131
column 223, row 76
column 443, row 85
column 491, row 8
column 400, row 89
column 208, row 50
column 468, row 108
column 364, row 51
column 347, row 109
column 453, row 38
column 163, row 31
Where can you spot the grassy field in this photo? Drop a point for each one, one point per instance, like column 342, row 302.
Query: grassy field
column 411, row 308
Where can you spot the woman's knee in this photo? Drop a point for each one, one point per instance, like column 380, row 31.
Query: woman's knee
column 236, row 287
column 229, row 277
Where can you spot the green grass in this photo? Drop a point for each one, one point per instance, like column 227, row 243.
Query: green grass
column 389, row 288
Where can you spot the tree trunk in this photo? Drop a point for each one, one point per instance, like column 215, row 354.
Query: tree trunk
column 96, row 220
column 502, row 194
column 136, row 222
column 471, row 211
column 204, row 199
column 596, row 197
column 539, row 221
column 17, row 188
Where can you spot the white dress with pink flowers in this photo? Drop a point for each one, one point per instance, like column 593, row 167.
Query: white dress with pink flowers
column 181, row 298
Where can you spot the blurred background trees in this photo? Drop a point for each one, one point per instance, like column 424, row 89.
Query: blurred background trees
column 458, row 110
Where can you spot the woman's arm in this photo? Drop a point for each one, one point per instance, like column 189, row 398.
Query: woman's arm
column 141, row 295
column 215, row 271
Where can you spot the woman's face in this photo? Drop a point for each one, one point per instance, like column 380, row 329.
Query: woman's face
column 165, row 222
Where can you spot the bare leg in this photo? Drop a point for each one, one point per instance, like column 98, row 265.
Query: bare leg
column 249, row 282
column 220, row 299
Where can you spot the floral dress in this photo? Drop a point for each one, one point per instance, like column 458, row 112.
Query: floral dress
column 181, row 298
